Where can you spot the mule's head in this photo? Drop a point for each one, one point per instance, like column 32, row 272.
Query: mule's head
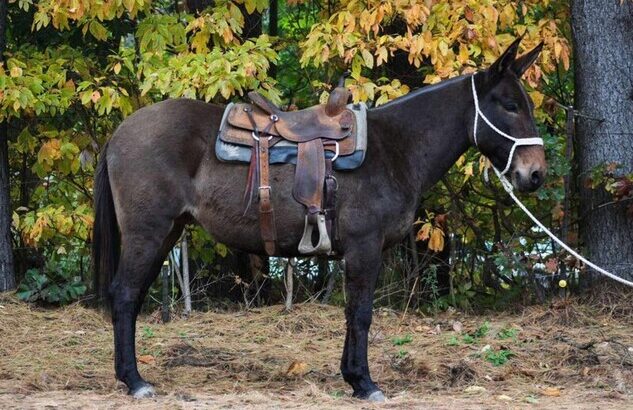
column 508, row 108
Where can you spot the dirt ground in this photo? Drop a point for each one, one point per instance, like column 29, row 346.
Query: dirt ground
column 567, row 355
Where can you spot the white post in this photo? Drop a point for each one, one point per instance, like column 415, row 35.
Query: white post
column 289, row 283
column 185, row 274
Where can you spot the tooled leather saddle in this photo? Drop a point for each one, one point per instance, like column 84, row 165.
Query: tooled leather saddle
column 316, row 130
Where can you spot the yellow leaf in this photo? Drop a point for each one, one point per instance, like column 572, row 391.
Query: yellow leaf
column 484, row 163
column 15, row 71
column 117, row 68
column 436, row 243
column 50, row 151
column 382, row 55
column 468, row 171
column 537, row 98
column 368, row 58
column 423, row 233
column 463, row 54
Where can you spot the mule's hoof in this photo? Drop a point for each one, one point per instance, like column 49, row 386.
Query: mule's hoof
column 376, row 396
column 144, row 392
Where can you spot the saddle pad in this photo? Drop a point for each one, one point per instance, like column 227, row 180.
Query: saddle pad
column 285, row 152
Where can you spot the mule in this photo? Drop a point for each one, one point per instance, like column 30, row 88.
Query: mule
column 159, row 172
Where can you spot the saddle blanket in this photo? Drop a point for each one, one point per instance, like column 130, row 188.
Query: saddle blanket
column 285, row 152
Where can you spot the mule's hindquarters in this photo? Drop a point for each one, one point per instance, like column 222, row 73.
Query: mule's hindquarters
column 142, row 191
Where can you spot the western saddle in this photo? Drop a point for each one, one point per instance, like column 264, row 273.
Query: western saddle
column 329, row 127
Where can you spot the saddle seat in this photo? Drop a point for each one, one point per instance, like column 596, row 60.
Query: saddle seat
column 300, row 126
column 315, row 129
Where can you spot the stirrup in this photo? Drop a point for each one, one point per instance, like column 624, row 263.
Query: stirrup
column 324, row 246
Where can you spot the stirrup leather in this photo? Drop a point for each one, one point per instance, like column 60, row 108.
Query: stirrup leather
column 323, row 246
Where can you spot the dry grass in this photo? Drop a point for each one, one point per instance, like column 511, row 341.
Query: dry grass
column 578, row 350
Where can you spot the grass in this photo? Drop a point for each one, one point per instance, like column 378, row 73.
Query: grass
column 70, row 349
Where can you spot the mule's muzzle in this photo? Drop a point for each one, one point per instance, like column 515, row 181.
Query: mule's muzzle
column 528, row 180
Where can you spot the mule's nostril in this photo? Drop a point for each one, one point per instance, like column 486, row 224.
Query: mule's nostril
column 536, row 178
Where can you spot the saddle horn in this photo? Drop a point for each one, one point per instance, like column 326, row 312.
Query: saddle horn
column 338, row 97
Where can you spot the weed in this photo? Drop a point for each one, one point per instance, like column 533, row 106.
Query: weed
column 482, row 331
column 453, row 341
column 498, row 358
column 148, row 332
column 510, row 333
column 468, row 339
column 400, row 341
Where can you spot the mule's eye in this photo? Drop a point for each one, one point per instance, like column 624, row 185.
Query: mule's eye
column 510, row 106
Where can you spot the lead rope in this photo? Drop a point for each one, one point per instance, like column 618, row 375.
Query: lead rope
column 507, row 186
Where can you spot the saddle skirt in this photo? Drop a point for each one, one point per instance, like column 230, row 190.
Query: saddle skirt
column 234, row 140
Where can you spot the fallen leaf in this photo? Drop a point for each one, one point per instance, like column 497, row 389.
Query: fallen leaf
column 297, row 368
column 503, row 397
column 475, row 390
column 551, row 265
column 147, row 359
column 551, row 392
column 458, row 327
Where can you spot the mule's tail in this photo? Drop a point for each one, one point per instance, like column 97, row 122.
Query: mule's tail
column 106, row 240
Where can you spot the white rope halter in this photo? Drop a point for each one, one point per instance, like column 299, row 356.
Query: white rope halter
column 507, row 186
column 517, row 141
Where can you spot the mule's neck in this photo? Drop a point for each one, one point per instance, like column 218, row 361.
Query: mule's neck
column 426, row 131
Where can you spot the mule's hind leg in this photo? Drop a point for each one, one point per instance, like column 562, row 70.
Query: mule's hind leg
column 144, row 248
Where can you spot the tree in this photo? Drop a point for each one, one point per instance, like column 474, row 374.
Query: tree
column 604, row 100
column 7, row 275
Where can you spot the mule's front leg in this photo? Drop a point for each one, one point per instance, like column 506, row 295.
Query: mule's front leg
column 362, row 265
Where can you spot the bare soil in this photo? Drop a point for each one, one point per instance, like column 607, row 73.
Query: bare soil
column 566, row 355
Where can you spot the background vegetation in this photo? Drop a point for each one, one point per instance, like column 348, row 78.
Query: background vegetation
column 74, row 69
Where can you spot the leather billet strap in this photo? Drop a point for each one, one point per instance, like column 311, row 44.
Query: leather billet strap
column 260, row 167
column 266, row 212
column 329, row 202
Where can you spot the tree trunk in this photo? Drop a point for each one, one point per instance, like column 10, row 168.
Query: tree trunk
column 7, row 274
column 604, row 98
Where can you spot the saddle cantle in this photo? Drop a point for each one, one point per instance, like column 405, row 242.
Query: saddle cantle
column 319, row 135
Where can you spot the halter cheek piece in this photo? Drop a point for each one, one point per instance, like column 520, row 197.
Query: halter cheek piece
column 517, row 141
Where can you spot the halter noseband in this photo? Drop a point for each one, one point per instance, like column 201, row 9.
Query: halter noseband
column 517, row 141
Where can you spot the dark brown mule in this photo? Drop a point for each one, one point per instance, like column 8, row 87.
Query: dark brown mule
column 159, row 172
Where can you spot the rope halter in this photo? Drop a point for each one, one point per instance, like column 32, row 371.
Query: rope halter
column 517, row 141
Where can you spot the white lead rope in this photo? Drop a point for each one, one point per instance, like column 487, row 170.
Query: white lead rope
column 508, row 188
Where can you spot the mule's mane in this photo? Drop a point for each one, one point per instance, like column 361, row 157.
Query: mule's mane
column 428, row 89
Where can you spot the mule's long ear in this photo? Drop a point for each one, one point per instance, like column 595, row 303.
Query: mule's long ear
column 507, row 58
column 521, row 64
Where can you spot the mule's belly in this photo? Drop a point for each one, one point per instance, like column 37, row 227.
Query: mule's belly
column 221, row 209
